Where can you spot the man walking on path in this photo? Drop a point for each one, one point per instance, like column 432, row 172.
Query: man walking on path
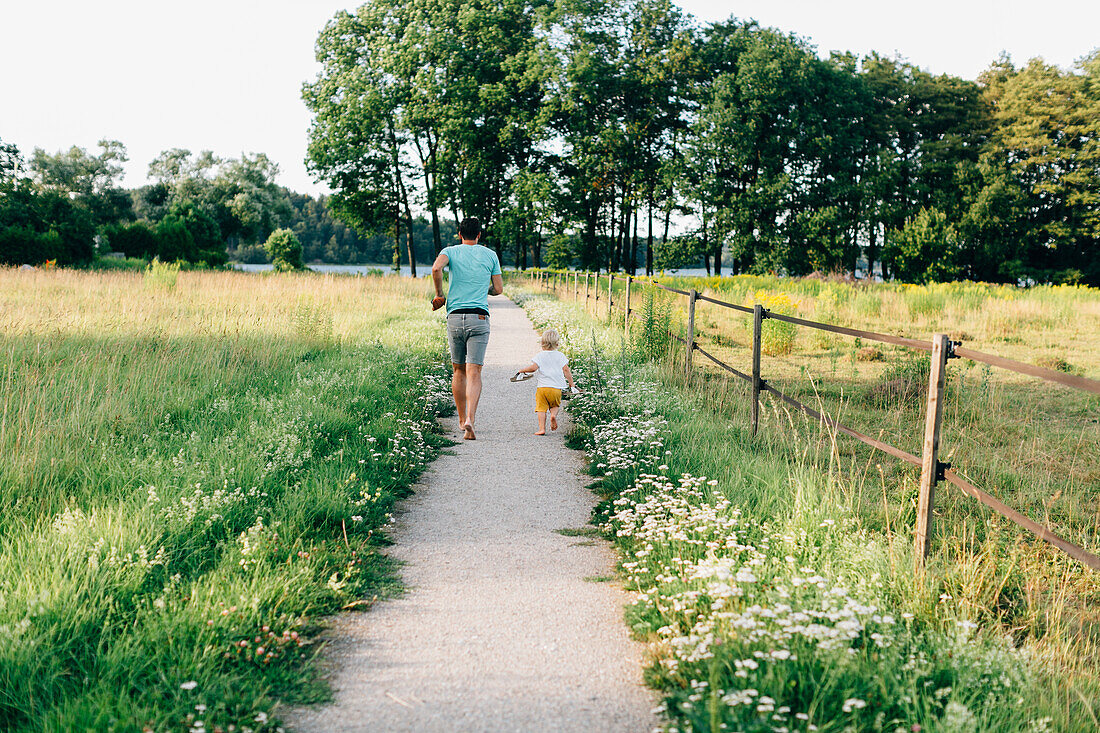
column 475, row 275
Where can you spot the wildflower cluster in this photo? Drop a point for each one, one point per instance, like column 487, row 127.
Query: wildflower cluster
column 209, row 507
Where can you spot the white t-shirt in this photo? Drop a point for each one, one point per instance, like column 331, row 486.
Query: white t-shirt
column 550, row 372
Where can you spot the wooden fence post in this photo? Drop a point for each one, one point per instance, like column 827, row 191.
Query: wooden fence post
column 610, row 299
column 757, row 322
column 931, row 468
column 586, row 291
column 576, row 286
column 626, row 309
column 690, row 331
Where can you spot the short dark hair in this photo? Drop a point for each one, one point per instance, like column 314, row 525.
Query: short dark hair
column 470, row 228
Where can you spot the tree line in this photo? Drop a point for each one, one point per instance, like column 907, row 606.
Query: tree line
column 580, row 130
column 69, row 206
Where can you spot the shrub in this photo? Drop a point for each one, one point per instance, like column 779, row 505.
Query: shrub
column 174, row 241
column 652, row 340
column 133, row 240
column 1058, row 364
column 926, row 249
column 36, row 226
column 868, row 353
column 905, row 382
column 23, row 245
column 285, row 250
column 162, row 274
column 776, row 337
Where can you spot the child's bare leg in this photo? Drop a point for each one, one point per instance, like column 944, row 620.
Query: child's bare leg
column 542, row 423
column 554, row 418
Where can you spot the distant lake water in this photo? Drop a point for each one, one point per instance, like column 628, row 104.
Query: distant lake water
column 422, row 270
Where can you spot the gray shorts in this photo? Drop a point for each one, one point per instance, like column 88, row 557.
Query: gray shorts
column 468, row 334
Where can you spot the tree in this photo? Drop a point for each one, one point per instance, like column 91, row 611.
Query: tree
column 239, row 194
column 1040, row 173
column 285, row 251
column 926, row 249
column 91, row 181
column 38, row 224
column 353, row 143
column 137, row 239
column 743, row 140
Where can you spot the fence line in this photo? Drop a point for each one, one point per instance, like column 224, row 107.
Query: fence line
column 941, row 349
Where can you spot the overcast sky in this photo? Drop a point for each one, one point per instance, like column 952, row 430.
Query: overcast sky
column 226, row 75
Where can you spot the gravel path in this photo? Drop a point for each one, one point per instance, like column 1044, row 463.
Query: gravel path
column 499, row 630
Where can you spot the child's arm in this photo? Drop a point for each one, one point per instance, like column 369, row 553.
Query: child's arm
column 532, row 367
column 569, row 377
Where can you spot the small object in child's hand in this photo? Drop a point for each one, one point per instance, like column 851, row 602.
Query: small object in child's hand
column 522, row 376
column 438, row 302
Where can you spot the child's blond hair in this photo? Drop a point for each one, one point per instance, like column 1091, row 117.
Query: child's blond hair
column 550, row 339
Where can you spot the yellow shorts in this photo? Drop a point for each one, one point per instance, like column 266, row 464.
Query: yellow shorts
column 547, row 397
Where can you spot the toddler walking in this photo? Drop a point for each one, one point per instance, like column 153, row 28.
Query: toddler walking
column 552, row 367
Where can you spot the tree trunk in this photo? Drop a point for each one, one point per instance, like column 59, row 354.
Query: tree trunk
column 706, row 242
column 427, row 164
column 433, row 203
column 396, row 262
column 649, row 235
column 624, row 242
column 408, row 228
column 633, row 244
column 590, row 227
column 872, row 251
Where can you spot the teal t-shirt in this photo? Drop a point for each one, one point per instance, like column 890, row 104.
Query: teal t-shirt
column 472, row 268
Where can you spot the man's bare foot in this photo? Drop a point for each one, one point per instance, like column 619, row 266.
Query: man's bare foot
column 468, row 432
column 541, row 432
column 553, row 422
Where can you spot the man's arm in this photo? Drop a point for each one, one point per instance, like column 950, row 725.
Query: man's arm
column 437, row 278
column 496, row 287
column 532, row 367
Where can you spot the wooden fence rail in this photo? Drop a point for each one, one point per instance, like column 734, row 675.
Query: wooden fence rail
column 941, row 348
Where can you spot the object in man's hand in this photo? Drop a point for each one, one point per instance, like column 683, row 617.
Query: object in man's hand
column 438, row 302
column 522, row 376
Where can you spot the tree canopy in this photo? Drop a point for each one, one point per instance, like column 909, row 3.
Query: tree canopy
column 582, row 126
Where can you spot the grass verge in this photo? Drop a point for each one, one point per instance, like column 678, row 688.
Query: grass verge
column 771, row 603
column 195, row 469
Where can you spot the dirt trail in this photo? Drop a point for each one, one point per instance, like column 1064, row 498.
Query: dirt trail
column 499, row 630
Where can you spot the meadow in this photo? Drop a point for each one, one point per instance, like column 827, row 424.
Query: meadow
column 774, row 575
column 195, row 468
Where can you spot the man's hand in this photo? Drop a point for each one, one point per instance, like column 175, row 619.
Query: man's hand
column 438, row 302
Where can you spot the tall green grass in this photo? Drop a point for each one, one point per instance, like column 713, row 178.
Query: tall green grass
column 774, row 595
column 1027, row 442
column 193, row 474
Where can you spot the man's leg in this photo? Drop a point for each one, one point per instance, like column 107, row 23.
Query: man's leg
column 458, row 389
column 554, row 417
column 456, row 339
column 542, row 423
column 473, row 394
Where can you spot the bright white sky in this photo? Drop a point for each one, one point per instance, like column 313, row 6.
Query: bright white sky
column 225, row 75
